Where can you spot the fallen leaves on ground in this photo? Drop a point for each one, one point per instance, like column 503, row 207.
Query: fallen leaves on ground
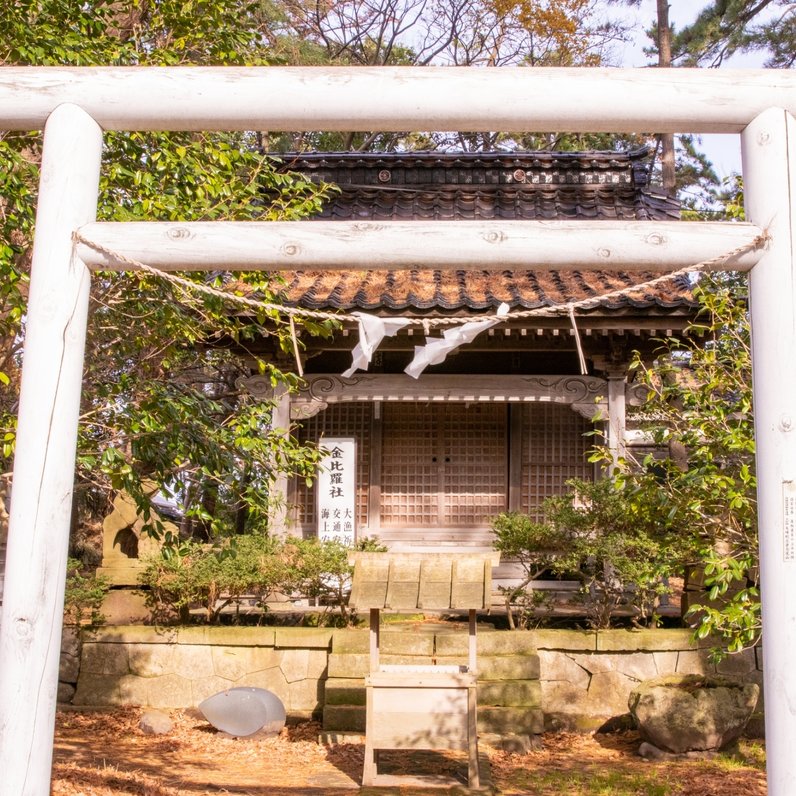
column 106, row 754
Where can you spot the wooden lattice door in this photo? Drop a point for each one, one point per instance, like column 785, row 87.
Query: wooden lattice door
column 443, row 465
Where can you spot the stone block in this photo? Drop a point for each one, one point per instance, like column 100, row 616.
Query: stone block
column 636, row 665
column 169, row 691
column 343, row 718
column 227, row 636
column 665, row 662
column 102, row 659
column 124, row 607
column 303, row 637
column 560, row 696
column 517, row 721
column 151, row 660
column 510, row 693
column 193, row 663
column 295, row 664
column 559, row 666
column 461, row 660
column 648, row 640
column 232, row 663
column 271, row 680
column 344, row 691
column 403, row 642
column 501, row 642
column 759, row 657
column 509, row 667
column 70, row 641
column 456, row 644
column 317, row 664
column 68, row 668
column 695, row 662
column 66, row 693
column 133, row 690
column 574, row 640
column 305, row 695
column 407, row 660
column 355, row 665
column 133, row 634
column 741, row 663
column 97, row 690
column 350, row 640
column 203, row 687
column 607, row 694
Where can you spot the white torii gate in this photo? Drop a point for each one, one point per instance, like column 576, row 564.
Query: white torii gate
column 75, row 105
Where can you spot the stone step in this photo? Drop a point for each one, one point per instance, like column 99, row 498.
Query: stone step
column 500, row 693
column 499, row 720
column 490, row 667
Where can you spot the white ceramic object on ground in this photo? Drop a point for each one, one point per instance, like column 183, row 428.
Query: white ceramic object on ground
column 244, row 711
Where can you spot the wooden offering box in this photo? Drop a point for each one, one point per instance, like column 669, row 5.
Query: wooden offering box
column 421, row 707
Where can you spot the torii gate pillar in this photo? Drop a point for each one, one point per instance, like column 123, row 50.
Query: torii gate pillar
column 769, row 166
column 44, row 465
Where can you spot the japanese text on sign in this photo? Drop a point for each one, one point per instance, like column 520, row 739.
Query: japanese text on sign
column 336, row 489
column 789, row 521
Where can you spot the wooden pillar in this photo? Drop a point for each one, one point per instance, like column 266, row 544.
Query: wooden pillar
column 44, row 465
column 374, row 474
column 278, row 498
column 617, row 383
column 769, row 165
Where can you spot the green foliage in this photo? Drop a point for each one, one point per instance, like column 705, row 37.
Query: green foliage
column 212, row 577
column 250, row 568
column 161, row 398
column 604, row 536
column 725, row 27
column 699, row 408
column 618, row 549
column 536, row 547
column 84, row 595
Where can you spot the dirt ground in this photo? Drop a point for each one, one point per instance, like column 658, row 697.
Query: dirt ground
column 106, row 754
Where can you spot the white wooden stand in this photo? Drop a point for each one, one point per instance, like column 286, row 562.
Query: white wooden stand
column 421, row 707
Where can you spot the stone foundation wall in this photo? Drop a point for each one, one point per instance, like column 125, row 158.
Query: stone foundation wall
column 586, row 676
column 528, row 680
column 180, row 667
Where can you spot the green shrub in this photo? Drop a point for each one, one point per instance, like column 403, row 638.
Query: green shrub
column 214, row 577
column 83, row 596
column 605, row 537
column 535, row 546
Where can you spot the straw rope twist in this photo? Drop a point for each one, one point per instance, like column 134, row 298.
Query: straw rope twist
column 566, row 308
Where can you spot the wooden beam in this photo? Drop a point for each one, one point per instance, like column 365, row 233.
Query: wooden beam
column 398, row 98
column 343, row 245
column 769, row 158
column 44, row 465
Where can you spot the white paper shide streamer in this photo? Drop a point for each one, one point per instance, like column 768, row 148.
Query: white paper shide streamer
column 372, row 330
column 437, row 348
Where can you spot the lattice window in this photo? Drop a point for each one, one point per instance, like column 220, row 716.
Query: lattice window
column 338, row 420
column 443, row 465
column 410, row 468
column 554, row 450
column 474, row 480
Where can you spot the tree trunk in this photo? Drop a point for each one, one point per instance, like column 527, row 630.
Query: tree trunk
column 665, row 60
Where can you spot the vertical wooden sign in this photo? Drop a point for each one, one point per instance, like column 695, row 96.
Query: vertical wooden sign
column 336, row 488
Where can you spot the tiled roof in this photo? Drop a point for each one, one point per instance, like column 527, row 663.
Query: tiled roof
column 477, row 290
column 538, row 185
